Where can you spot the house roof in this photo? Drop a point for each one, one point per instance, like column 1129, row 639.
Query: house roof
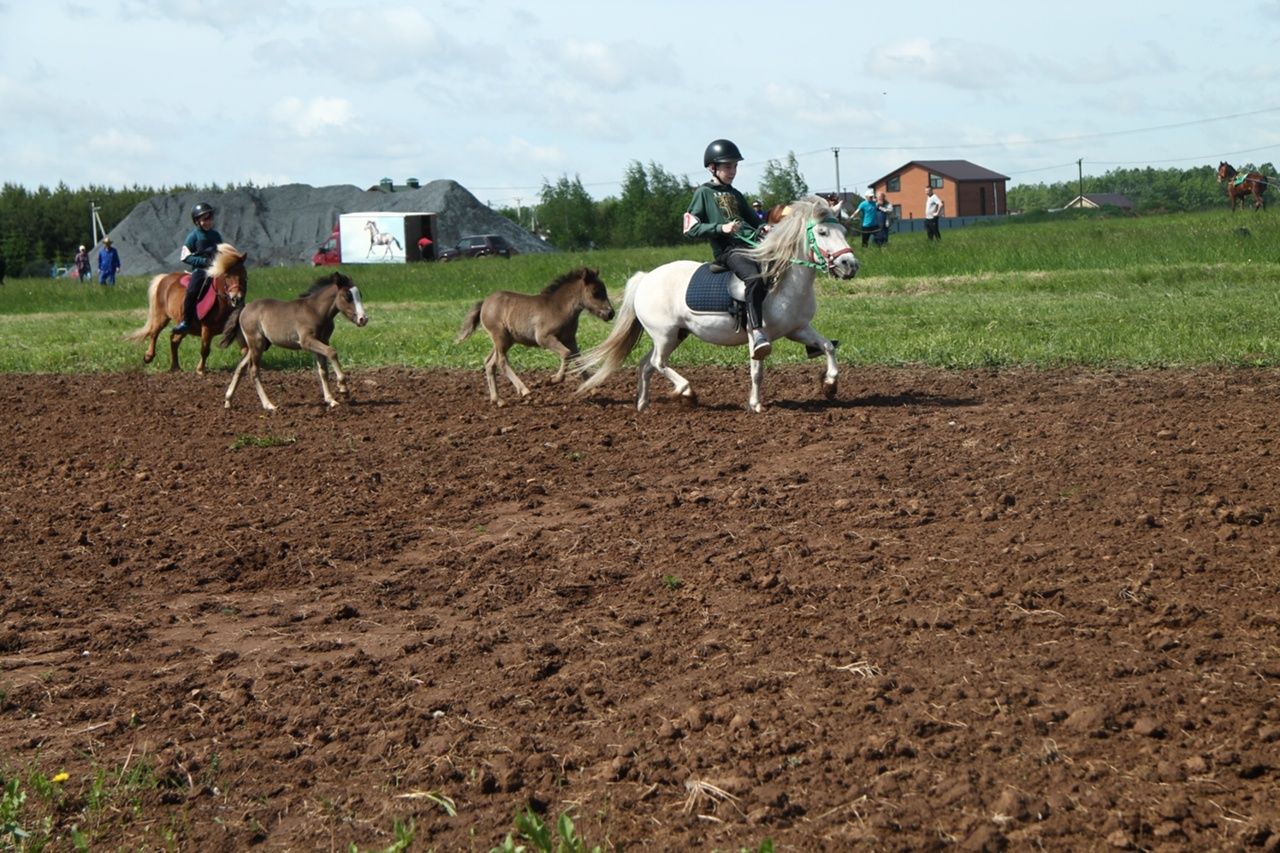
column 1113, row 199
column 956, row 170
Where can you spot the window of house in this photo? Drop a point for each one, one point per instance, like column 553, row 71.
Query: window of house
column 893, row 185
column 935, row 181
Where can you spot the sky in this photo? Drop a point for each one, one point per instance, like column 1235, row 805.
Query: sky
column 505, row 96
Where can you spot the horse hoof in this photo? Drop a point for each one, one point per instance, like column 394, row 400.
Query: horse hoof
column 829, row 390
column 688, row 399
column 146, row 359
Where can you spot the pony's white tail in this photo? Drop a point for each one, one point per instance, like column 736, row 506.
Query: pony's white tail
column 608, row 355
column 156, row 315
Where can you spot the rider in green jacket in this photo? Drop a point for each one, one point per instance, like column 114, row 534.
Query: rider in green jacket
column 721, row 213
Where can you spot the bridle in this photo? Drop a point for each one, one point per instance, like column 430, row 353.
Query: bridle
column 815, row 251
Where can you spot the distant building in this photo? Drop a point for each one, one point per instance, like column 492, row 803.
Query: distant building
column 1096, row 200
column 387, row 185
column 966, row 189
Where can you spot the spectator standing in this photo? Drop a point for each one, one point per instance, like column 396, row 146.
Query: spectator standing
column 884, row 218
column 758, row 209
column 932, row 212
column 869, row 212
column 83, row 270
column 108, row 263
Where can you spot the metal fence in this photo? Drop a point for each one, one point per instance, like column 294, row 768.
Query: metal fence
column 907, row 226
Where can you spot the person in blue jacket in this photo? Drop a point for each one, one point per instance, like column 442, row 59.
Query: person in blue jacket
column 870, row 214
column 720, row 213
column 108, row 262
column 198, row 252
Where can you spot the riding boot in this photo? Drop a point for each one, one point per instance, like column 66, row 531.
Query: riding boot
column 190, row 320
column 756, row 339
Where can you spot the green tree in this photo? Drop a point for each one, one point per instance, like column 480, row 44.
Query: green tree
column 567, row 215
column 782, row 183
column 650, row 210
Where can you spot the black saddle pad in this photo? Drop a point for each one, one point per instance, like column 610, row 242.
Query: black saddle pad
column 708, row 291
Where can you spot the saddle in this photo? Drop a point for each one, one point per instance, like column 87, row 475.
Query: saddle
column 208, row 298
column 713, row 289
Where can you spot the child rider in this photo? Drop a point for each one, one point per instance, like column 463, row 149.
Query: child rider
column 719, row 212
column 198, row 252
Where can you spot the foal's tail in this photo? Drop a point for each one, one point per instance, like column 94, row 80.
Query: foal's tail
column 231, row 330
column 156, row 315
column 609, row 354
column 469, row 323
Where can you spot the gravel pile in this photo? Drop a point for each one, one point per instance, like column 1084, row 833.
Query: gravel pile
column 283, row 226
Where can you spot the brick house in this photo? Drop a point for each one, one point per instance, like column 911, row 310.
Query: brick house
column 966, row 189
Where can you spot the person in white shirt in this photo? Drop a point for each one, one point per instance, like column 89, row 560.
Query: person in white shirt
column 932, row 211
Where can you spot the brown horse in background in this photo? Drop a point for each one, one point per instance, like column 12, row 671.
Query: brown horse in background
column 548, row 320
column 164, row 303
column 1253, row 183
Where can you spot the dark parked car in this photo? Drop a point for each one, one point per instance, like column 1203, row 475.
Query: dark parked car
column 479, row 246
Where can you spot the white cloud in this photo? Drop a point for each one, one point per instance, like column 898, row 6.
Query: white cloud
column 120, row 143
column 309, row 117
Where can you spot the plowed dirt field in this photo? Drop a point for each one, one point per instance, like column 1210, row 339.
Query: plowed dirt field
column 1013, row 608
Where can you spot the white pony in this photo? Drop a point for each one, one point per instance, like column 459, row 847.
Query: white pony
column 382, row 238
column 809, row 239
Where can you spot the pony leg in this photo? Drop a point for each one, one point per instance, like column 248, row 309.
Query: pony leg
column 757, row 386
column 174, row 341
column 563, row 350
column 490, row 380
column 254, row 370
column 339, row 378
column 322, row 368
column 509, row 372
column 663, row 346
column 235, row 380
column 646, row 370
column 206, row 338
column 810, row 338
column 150, row 354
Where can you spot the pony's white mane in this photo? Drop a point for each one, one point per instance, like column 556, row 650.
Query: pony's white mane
column 228, row 256
column 785, row 240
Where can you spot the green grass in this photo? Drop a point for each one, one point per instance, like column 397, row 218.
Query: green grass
column 1175, row 290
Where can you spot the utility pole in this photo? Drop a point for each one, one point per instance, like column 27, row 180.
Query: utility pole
column 95, row 222
column 1080, row 169
column 836, row 151
column 519, row 211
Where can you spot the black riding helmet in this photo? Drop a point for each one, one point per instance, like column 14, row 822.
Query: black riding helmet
column 721, row 151
column 201, row 209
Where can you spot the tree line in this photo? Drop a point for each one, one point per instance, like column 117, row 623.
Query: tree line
column 43, row 228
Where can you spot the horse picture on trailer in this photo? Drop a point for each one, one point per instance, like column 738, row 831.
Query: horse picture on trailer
column 808, row 240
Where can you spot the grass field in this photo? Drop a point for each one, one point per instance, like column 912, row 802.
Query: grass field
column 1161, row 291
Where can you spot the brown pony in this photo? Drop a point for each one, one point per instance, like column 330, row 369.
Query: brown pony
column 305, row 323
column 164, row 303
column 1252, row 183
column 548, row 320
